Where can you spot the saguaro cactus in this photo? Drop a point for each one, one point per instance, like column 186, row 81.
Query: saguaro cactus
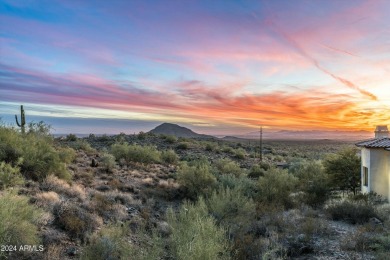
column 22, row 120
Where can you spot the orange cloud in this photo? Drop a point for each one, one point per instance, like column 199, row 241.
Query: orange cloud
column 223, row 104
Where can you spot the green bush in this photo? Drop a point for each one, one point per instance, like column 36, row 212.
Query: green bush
column 351, row 212
column 82, row 144
column 109, row 243
column 120, row 152
column 169, row 157
column 371, row 198
column 248, row 187
column 314, row 182
column 239, row 153
column 67, row 154
column 142, row 135
column 151, row 245
column 344, row 169
column 227, row 149
column 195, row 234
column 136, row 153
column 227, row 166
column 75, row 220
column 256, row 171
column 275, row 187
column 197, row 179
column 231, row 208
column 171, row 139
column 10, row 145
column 18, row 221
column 382, row 247
column 211, row 146
column 34, row 151
column 108, row 162
column 183, row 146
column 9, row 176
column 71, row 138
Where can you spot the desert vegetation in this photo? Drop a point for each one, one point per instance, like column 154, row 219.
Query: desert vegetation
column 151, row 196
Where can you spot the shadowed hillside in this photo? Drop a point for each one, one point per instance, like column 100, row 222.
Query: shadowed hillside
column 178, row 131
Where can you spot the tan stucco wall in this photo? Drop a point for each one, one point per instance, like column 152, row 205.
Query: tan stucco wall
column 378, row 171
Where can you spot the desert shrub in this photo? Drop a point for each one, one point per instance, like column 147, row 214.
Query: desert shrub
column 227, row 149
column 351, row 212
column 169, row 157
column 109, row 243
column 197, row 179
column 248, row 187
column 10, row 145
column 52, row 183
column 33, row 152
column 227, row 166
column 256, row 171
column 371, row 198
column 195, row 234
column 136, row 153
column 82, row 144
column 314, row 182
column 273, row 249
column 40, row 159
column 67, row 154
column 47, row 199
column 142, row 135
column 231, row 208
column 183, row 146
column 382, row 247
column 107, row 207
column 9, row 176
column 171, row 139
column 150, row 245
column 145, row 154
column 108, row 162
column 361, row 240
column 275, row 187
column 121, row 138
column 302, row 233
column 39, row 128
column 18, row 221
column 75, row 220
column 71, row 138
column 211, row 146
column 344, row 169
column 120, row 152
column 383, row 212
column 239, row 153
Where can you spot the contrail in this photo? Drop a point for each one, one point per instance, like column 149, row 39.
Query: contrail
column 286, row 38
column 339, row 50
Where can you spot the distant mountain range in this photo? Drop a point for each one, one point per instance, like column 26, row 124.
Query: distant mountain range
column 178, row 131
column 311, row 134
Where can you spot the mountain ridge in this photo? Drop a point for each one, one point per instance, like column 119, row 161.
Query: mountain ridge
column 178, row 131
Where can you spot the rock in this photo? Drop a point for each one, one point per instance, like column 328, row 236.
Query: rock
column 301, row 237
column 164, row 228
column 94, row 163
column 103, row 188
column 375, row 221
column 71, row 251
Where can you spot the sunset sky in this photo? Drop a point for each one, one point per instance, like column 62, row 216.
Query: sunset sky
column 218, row 67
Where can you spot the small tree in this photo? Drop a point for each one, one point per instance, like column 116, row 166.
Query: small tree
column 344, row 169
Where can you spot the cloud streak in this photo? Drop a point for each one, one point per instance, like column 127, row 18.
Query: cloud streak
column 191, row 99
column 294, row 44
